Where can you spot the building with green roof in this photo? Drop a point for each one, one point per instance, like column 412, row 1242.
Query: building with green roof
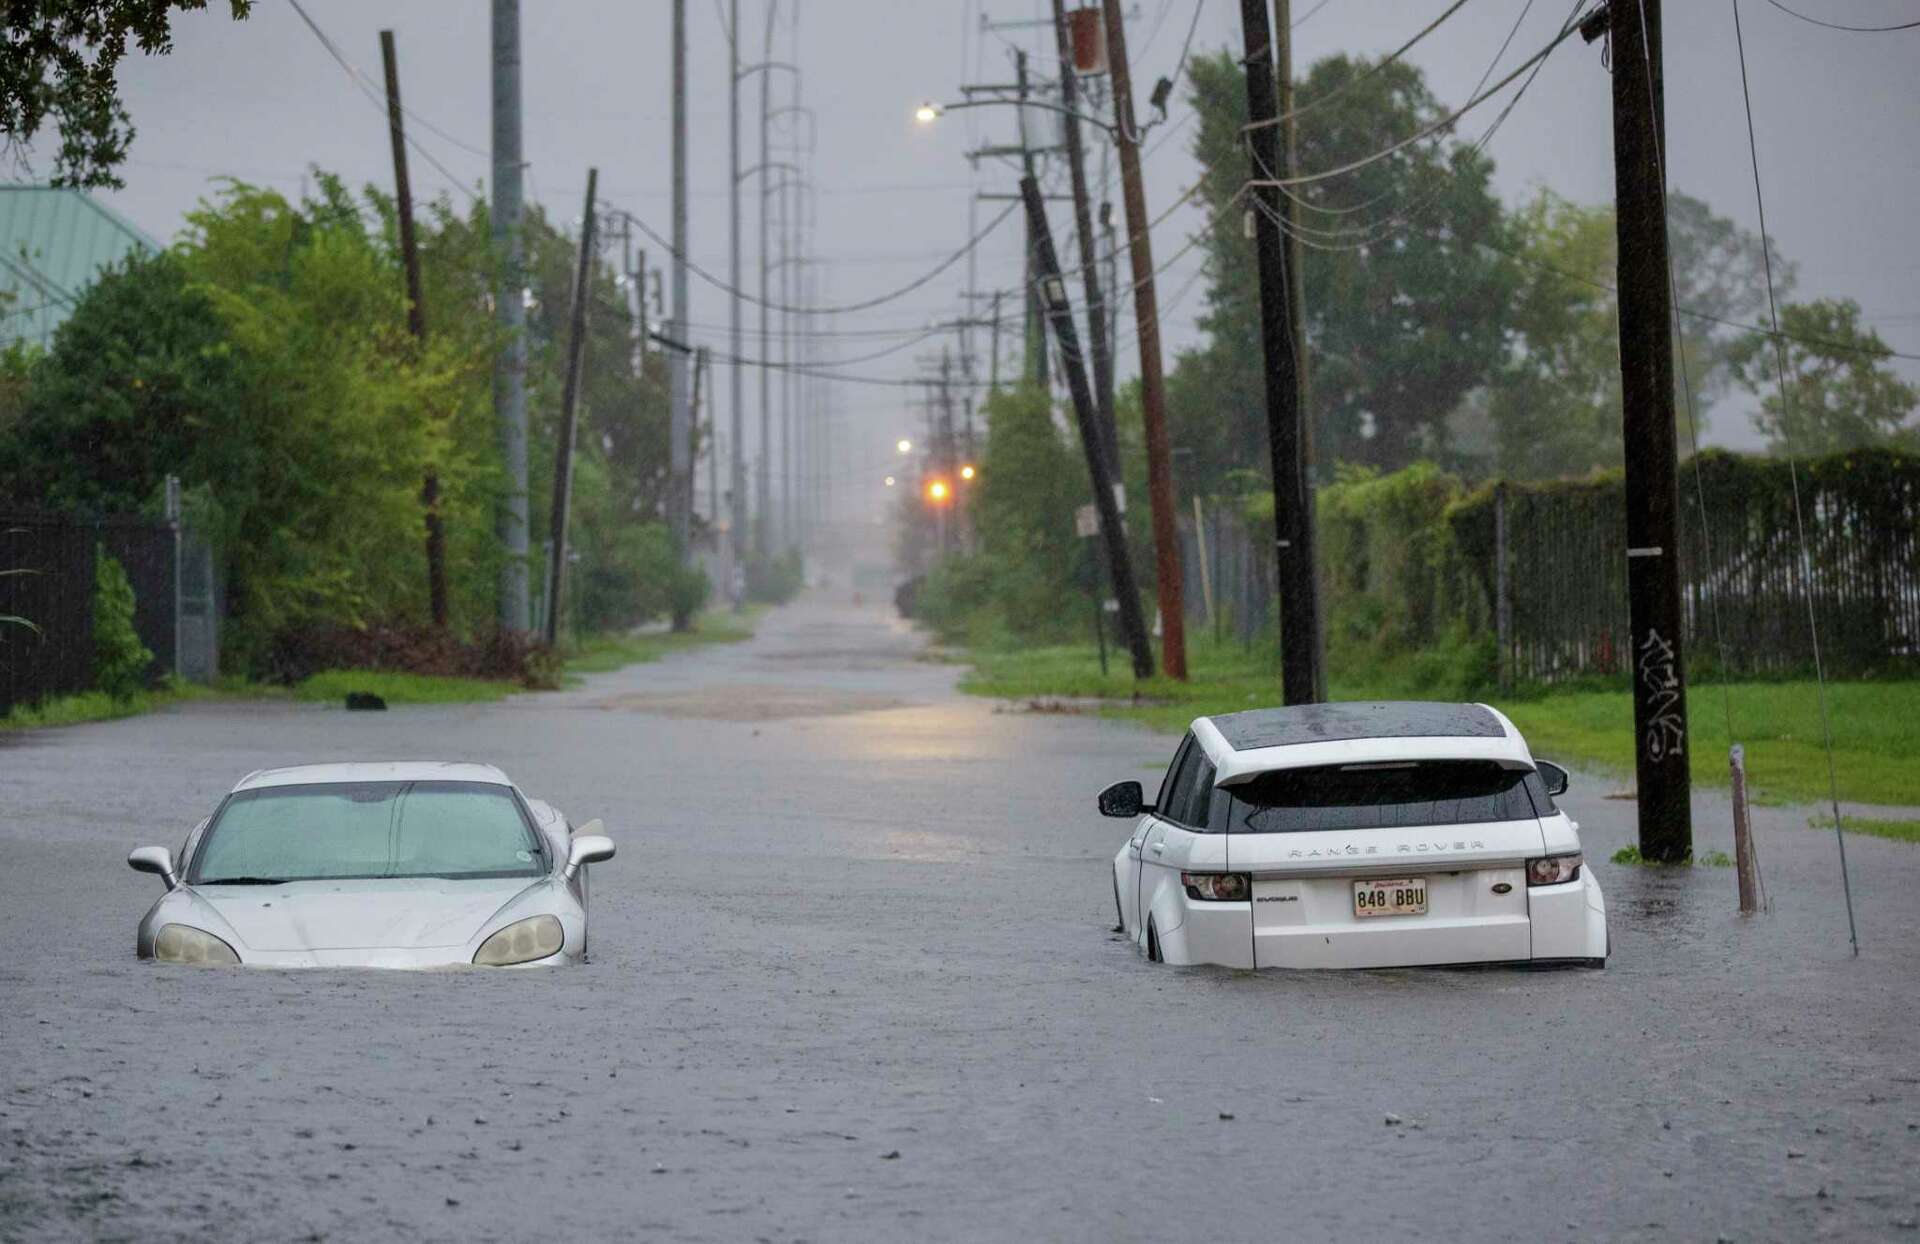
column 53, row 243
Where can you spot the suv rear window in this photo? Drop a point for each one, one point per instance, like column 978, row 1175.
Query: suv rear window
column 1401, row 794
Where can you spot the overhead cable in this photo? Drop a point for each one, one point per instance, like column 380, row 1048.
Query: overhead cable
column 1864, row 30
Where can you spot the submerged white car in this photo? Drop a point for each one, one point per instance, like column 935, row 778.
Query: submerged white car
column 392, row 865
column 1356, row 835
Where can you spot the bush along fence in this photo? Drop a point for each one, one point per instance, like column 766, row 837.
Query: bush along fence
column 71, row 571
column 1529, row 579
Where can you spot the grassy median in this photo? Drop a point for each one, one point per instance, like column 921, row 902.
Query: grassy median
column 1876, row 725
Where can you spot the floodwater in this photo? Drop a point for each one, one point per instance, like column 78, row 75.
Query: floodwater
column 853, row 978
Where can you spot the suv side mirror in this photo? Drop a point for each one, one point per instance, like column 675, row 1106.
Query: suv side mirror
column 1123, row 799
column 590, row 846
column 1554, row 776
column 156, row 860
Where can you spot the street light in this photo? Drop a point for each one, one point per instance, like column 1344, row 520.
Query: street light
column 966, row 472
column 890, row 481
column 905, row 446
column 927, row 112
column 937, row 491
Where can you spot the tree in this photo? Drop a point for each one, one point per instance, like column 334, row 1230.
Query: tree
column 1553, row 407
column 58, row 62
column 1405, row 301
column 1839, row 394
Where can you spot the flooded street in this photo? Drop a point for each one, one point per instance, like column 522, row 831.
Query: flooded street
column 852, row 978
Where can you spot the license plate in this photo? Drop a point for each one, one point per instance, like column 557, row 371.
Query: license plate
column 1401, row 896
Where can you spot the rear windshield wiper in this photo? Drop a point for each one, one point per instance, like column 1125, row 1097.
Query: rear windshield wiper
column 244, row 881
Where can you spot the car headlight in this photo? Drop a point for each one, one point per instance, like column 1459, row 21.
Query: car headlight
column 1554, row 869
column 521, row 942
column 1217, row 887
column 182, row 943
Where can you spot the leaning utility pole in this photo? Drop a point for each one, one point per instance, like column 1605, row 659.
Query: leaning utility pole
column 1113, row 531
column 569, row 403
column 679, row 409
column 1301, row 681
column 1646, row 403
column 510, row 313
column 1089, row 255
column 1036, row 333
column 416, row 324
column 1153, row 386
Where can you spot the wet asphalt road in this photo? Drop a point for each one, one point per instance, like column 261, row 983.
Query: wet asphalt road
column 852, row 979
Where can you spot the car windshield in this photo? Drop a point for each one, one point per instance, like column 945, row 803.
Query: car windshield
column 1384, row 796
column 342, row 830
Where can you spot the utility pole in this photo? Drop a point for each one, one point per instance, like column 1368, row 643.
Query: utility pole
column 736, row 463
column 1646, row 403
column 1300, row 679
column 763, row 511
column 1113, row 531
column 569, row 404
column 1153, row 385
column 1036, row 334
column 679, row 408
column 1089, row 255
column 510, row 313
column 713, row 447
column 416, row 324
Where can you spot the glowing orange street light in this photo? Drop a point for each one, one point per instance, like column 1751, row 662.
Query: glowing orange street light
column 966, row 472
column 937, row 491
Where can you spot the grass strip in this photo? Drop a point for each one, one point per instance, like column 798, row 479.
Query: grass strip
column 1899, row 831
column 1876, row 725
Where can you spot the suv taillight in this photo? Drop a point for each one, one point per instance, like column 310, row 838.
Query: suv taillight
column 1554, row 869
column 1218, row 887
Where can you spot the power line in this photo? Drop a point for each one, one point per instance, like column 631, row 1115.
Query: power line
column 360, row 80
column 1793, row 474
column 1426, row 130
column 843, row 308
column 1865, row 30
column 1356, row 80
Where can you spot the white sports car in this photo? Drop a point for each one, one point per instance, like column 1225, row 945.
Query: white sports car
column 400, row 865
column 1356, row 835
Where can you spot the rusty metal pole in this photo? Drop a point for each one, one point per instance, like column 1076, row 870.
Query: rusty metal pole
column 1153, row 385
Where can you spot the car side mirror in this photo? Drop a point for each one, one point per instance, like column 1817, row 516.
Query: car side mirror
column 155, row 860
column 1555, row 777
column 1123, row 799
column 590, row 846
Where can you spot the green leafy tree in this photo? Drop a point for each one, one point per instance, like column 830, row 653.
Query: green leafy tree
column 58, row 62
column 1839, row 392
column 1404, row 304
column 1553, row 407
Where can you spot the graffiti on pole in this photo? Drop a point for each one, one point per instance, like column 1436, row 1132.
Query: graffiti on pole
column 1660, row 678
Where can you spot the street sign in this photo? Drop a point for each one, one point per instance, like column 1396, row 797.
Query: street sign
column 1086, row 521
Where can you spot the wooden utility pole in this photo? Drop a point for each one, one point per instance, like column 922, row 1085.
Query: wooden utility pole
column 1036, row 330
column 416, row 323
column 510, row 316
column 1646, row 402
column 1288, row 138
column 1301, row 680
column 1053, row 295
column 569, row 404
column 1089, row 255
column 1153, row 386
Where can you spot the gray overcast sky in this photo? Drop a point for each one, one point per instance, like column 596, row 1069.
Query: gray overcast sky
column 261, row 100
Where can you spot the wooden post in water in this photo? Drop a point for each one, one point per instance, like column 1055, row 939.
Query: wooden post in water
column 1744, row 864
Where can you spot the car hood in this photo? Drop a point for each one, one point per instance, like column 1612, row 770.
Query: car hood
column 384, row 914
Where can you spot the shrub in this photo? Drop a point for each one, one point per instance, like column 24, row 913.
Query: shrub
column 777, row 579
column 297, row 655
column 120, row 660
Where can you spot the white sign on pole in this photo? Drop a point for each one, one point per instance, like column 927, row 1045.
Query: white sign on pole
column 1086, row 521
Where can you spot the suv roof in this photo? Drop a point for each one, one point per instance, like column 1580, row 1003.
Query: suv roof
column 1243, row 744
column 1359, row 719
